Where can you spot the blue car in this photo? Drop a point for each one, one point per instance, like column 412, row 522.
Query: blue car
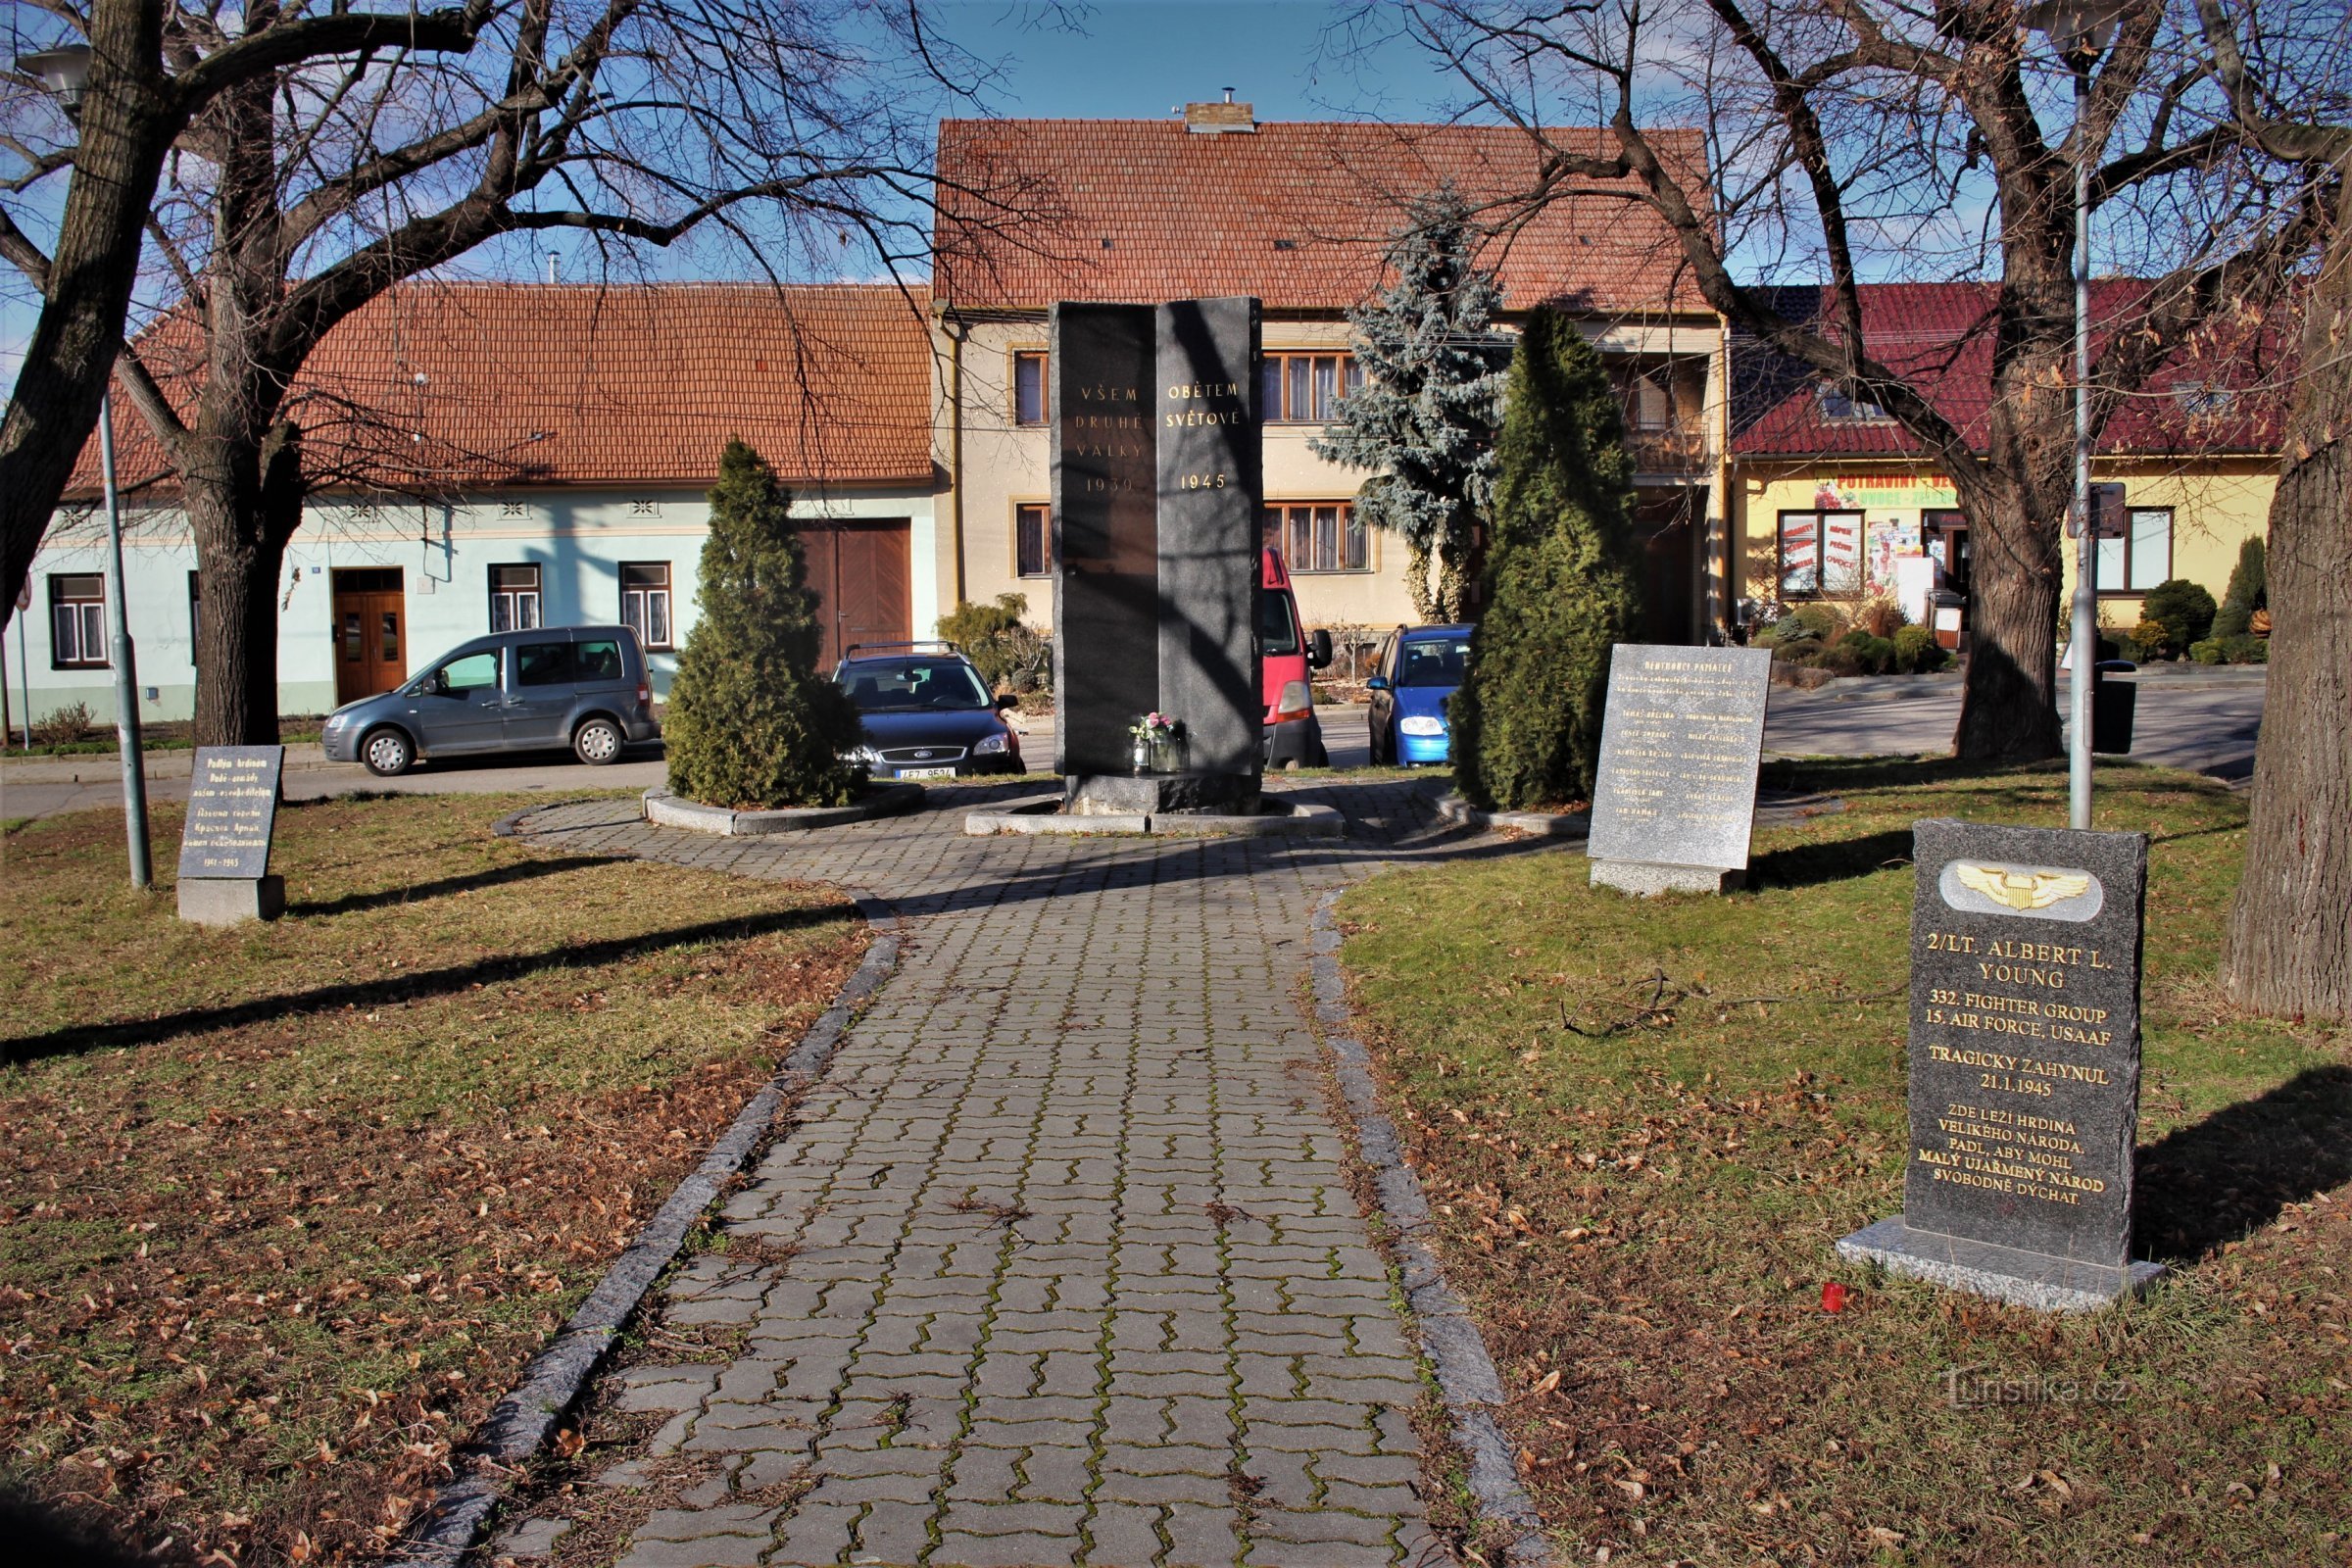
column 1420, row 667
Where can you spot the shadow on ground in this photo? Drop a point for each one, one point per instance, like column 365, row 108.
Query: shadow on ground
column 2203, row 1186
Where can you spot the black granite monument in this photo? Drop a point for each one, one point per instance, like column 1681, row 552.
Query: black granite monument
column 224, row 846
column 1676, row 792
column 2025, row 1067
column 1156, row 496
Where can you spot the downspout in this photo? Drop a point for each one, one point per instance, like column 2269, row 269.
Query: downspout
column 955, row 328
column 1727, row 560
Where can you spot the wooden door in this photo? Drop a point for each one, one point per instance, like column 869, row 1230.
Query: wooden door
column 371, row 633
column 1667, row 528
column 863, row 583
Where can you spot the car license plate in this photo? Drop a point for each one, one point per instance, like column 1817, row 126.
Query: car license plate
column 926, row 773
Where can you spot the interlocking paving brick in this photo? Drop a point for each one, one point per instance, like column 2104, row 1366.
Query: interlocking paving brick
column 1070, row 1222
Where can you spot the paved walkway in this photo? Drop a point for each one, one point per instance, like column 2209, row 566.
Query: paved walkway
column 1075, row 1274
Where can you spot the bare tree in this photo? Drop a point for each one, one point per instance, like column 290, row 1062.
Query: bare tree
column 1851, row 137
column 2290, row 944
column 143, row 89
column 793, row 132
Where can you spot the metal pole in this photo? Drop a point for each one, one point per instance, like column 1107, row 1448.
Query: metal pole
column 2086, row 638
column 126, row 662
column 23, row 681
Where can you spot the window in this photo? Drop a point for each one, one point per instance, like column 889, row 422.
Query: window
column 2138, row 557
column 514, row 597
column 1840, row 409
column 1029, row 387
column 543, row 663
column 642, row 508
column 1277, row 627
column 1305, row 388
column 1649, row 403
column 894, row 685
column 596, row 661
column 1318, row 536
column 195, row 615
column 1821, row 553
column 468, row 674
column 509, row 509
column 1033, row 539
column 77, row 622
column 644, row 601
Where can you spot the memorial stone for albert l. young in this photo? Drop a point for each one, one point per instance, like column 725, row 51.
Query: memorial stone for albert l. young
column 2025, row 1067
column 224, row 845
column 1156, row 495
column 1675, row 796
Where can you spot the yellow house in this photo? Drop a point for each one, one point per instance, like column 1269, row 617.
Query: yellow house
column 1833, row 500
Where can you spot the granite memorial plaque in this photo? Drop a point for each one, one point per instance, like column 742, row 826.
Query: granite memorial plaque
column 224, row 846
column 1675, row 795
column 1210, row 453
column 2025, row 1067
column 1105, row 533
column 1156, row 495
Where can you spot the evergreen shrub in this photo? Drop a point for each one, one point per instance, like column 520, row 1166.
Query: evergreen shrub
column 2183, row 609
column 1916, row 652
column 750, row 722
column 2249, row 590
column 1561, row 588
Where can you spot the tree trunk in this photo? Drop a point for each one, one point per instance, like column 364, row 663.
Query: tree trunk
column 242, row 531
column 2009, row 691
column 2290, row 940
column 119, row 155
column 1416, row 582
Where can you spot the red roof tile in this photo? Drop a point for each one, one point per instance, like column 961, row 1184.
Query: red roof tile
column 471, row 385
column 1298, row 214
column 2222, row 394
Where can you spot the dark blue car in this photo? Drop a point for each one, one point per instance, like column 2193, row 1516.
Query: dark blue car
column 1420, row 668
column 927, row 715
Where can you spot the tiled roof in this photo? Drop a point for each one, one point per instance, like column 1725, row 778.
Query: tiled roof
column 2222, row 394
column 1298, row 214
column 473, row 385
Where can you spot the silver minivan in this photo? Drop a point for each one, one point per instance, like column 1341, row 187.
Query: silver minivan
column 584, row 687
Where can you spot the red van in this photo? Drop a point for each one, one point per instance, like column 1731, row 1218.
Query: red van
column 1292, row 735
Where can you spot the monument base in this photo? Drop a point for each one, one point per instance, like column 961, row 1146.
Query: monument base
column 1161, row 794
column 224, row 900
column 1647, row 878
column 2004, row 1273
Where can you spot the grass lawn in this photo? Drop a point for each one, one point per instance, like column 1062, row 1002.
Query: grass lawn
column 283, row 1208
column 1644, row 1124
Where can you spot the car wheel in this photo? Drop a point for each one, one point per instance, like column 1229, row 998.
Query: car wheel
column 387, row 751
column 597, row 742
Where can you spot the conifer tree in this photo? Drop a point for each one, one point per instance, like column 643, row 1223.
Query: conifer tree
column 1423, row 419
column 752, row 722
column 2249, row 590
column 1560, row 580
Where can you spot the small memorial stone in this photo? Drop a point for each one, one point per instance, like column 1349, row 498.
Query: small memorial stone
column 2025, row 1068
column 224, row 846
column 1675, row 796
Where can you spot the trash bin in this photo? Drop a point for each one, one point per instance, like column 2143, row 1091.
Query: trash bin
column 2112, row 705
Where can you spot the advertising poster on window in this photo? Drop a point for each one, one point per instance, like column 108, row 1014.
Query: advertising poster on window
column 1800, row 554
column 1840, row 552
column 1890, row 541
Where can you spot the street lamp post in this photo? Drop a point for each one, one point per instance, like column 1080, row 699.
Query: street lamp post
column 2080, row 31
column 66, row 73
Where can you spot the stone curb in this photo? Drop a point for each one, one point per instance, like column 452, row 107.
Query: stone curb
column 552, row 1382
column 1450, row 1337
column 1562, row 825
column 886, row 800
column 1039, row 815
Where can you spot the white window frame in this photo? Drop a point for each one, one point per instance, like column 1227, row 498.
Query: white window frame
column 77, row 637
column 2141, row 555
column 517, row 606
column 637, row 605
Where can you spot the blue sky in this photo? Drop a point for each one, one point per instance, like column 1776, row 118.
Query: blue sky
column 1137, row 59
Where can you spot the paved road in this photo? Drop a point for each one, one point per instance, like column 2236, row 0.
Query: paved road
column 2194, row 717
column 1076, row 1272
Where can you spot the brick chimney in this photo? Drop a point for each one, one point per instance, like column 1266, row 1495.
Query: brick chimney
column 1210, row 119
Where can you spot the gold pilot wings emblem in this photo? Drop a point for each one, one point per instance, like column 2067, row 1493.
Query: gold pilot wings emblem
column 2023, row 890
column 2048, row 892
